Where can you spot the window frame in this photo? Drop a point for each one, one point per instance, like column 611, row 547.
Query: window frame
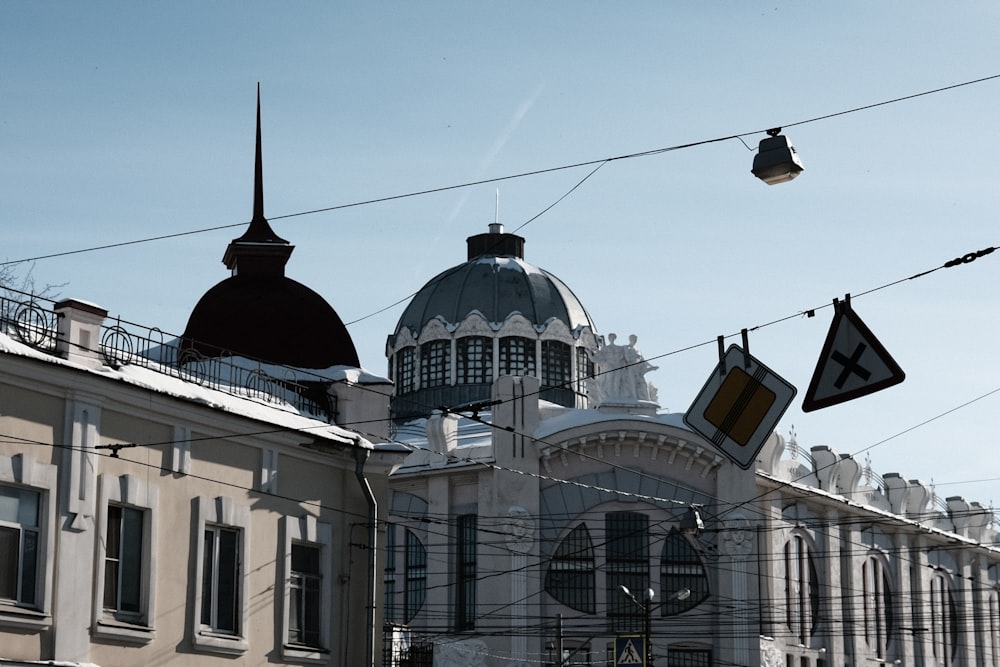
column 23, row 579
column 466, row 571
column 124, row 558
column 390, row 606
column 942, row 612
column 22, row 471
column 309, row 532
column 681, row 568
column 473, row 360
column 626, row 563
column 131, row 492
column 993, row 623
column 571, row 575
column 556, row 365
column 801, row 593
column 517, row 356
column 220, row 514
column 877, row 605
column 414, row 576
column 406, row 369
column 675, row 565
column 435, row 363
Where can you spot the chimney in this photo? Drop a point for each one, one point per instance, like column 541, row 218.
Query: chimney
column 79, row 337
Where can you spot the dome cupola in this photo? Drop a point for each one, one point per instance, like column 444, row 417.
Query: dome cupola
column 493, row 315
column 260, row 313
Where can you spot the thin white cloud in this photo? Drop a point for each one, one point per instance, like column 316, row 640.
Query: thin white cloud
column 498, row 145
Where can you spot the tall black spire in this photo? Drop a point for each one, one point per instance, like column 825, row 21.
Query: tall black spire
column 259, row 231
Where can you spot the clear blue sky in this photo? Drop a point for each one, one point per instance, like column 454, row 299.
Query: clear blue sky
column 123, row 121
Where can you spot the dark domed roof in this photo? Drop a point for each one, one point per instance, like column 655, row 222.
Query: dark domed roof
column 495, row 281
column 261, row 314
column 271, row 318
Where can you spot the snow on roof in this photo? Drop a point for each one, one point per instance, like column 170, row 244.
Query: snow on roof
column 278, row 414
column 330, row 374
column 567, row 418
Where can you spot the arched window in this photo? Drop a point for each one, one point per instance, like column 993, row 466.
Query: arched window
column 517, row 356
column 406, row 380
column 801, row 589
column 435, row 364
column 877, row 605
column 474, row 362
column 944, row 631
column 415, row 581
column 680, row 568
column 623, row 553
column 571, row 573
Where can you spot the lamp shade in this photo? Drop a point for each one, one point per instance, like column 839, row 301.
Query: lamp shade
column 776, row 160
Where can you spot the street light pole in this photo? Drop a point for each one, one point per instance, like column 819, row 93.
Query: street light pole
column 648, row 630
column 647, row 609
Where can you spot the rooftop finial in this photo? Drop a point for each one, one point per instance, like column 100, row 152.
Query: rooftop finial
column 495, row 226
column 259, row 231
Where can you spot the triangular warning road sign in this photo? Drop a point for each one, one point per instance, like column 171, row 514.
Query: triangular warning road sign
column 853, row 363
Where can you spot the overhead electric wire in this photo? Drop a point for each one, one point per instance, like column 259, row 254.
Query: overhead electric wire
column 535, row 172
column 691, row 618
column 968, row 258
column 953, row 263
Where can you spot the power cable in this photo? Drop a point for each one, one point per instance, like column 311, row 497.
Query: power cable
column 535, row 172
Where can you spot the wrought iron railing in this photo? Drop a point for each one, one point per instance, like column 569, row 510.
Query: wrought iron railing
column 127, row 344
column 124, row 343
column 30, row 322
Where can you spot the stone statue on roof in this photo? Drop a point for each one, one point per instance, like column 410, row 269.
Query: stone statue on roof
column 620, row 376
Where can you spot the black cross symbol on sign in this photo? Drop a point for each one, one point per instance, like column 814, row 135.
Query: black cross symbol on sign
column 851, row 365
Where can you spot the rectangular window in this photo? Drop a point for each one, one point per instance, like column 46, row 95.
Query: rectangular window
column 465, row 607
column 308, row 600
column 123, row 562
column 627, row 537
column 391, row 612
column 305, row 585
column 435, row 364
column 556, row 364
column 584, row 369
column 689, row 657
column 220, row 580
column 475, row 360
column 517, row 356
column 407, row 380
column 19, row 539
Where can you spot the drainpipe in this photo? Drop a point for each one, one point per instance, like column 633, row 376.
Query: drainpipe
column 360, row 456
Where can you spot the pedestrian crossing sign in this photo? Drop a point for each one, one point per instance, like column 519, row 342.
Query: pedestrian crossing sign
column 630, row 651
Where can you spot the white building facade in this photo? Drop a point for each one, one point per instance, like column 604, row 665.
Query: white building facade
column 523, row 512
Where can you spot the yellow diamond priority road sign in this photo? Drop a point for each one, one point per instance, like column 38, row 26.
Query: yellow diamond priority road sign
column 740, row 406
